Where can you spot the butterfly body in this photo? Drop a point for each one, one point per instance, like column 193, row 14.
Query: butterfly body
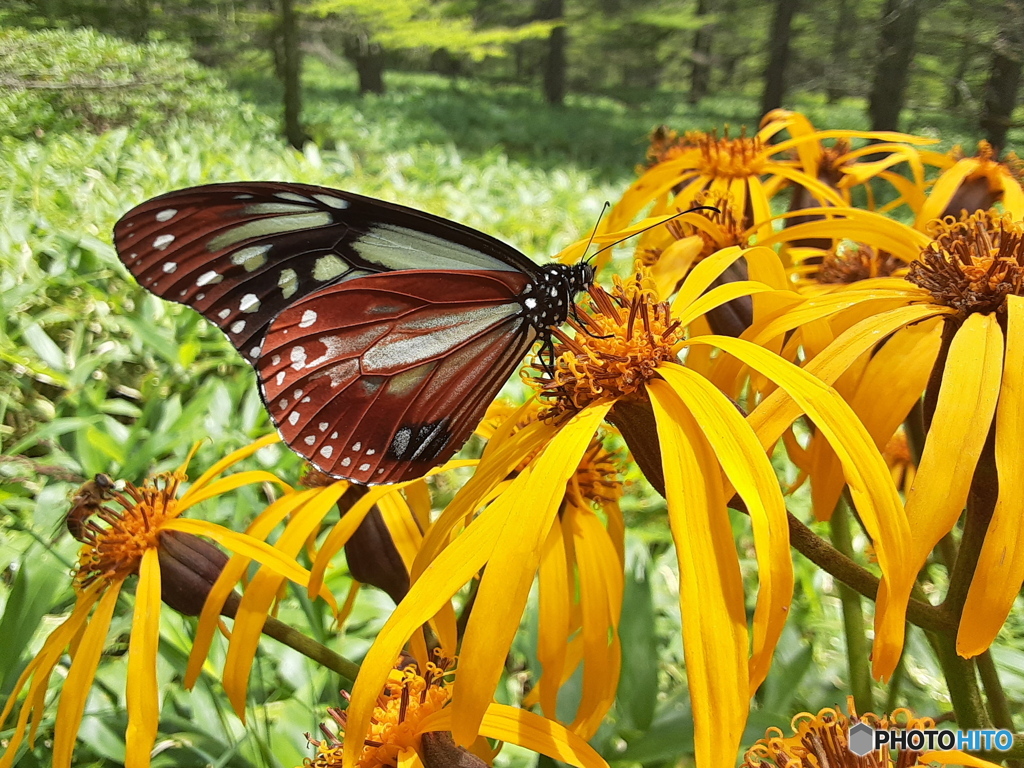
column 379, row 333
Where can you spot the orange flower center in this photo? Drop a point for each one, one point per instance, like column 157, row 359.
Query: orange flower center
column 823, row 740
column 727, row 158
column 626, row 335
column 973, row 263
column 850, row 262
column 114, row 540
column 406, row 701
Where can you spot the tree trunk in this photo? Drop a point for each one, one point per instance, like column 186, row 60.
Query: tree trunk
column 842, row 37
column 1004, row 76
column 368, row 59
column 897, row 30
column 778, row 55
column 958, row 84
column 700, row 68
column 554, row 61
column 292, row 69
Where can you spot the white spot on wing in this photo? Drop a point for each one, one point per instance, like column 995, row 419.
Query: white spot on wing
column 251, row 258
column 298, row 357
column 357, row 447
column 308, row 318
column 288, row 282
column 370, row 452
column 238, row 326
column 531, row 303
column 223, row 314
column 209, row 278
column 279, row 379
column 170, row 266
column 166, row 214
column 309, row 439
column 326, row 451
column 346, row 461
column 273, row 225
column 249, row 303
column 293, row 418
column 328, row 267
column 323, row 426
column 334, row 202
column 364, row 467
column 163, row 241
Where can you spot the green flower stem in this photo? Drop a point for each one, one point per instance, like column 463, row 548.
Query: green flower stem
column 857, row 653
column 310, row 648
column 962, row 682
column 297, row 641
column 831, row 560
column 999, row 706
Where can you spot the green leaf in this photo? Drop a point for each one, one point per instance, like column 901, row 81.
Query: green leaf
column 32, row 593
column 45, row 347
column 638, row 684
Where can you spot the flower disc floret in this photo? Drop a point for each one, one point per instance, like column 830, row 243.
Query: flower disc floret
column 850, row 262
column 728, row 158
column 973, row 263
column 626, row 335
column 114, row 540
column 406, row 701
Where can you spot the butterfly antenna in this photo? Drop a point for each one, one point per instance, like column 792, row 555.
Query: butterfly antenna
column 593, row 232
column 666, row 221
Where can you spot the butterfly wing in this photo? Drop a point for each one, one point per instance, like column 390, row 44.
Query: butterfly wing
column 380, row 379
column 242, row 253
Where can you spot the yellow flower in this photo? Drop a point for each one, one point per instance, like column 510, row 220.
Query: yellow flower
column 679, row 427
column 963, row 307
column 124, row 536
column 411, row 719
column 823, row 740
column 976, row 184
column 750, row 170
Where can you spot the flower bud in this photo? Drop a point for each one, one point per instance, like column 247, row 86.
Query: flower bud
column 371, row 553
column 189, row 566
column 438, row 750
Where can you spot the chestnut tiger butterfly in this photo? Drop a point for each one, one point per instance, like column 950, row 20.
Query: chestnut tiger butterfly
column 379, row 334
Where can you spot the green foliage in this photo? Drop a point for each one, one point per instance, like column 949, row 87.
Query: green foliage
column 414, row 24
column 57, row 81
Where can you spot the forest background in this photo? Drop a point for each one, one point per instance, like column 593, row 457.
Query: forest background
column 519, row 118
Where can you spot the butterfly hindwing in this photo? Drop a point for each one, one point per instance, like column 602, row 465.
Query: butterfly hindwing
column 382, row 378
column 241, row 253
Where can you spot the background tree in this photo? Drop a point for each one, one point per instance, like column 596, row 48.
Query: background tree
column 1004, row 76
column 700, row 57
column 896, row 39
column 778, row 55
column 292, row 66
column 555, row 62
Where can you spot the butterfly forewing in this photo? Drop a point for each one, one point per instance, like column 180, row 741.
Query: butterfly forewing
column 241, row 253
column 380, row 379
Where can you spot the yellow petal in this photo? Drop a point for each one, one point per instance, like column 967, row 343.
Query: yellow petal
column 517, row 726
column 226, row 485
column 493, row 469
column 232, row 572
column 963, row 414
column 710, row 586
column 80, row 676
column 250, row 547
column 261, row 592
column 553, row 624
column 528, row 507
column 718, row 296
column 343, row 531
column 600, row 589
column 750, row 472
column 231, row 459
column 143, row 647
column 944, row 189
column 866, row 473
column 1000, row 570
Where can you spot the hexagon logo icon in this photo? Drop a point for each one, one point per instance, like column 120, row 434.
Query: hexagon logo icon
column 861, row 739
